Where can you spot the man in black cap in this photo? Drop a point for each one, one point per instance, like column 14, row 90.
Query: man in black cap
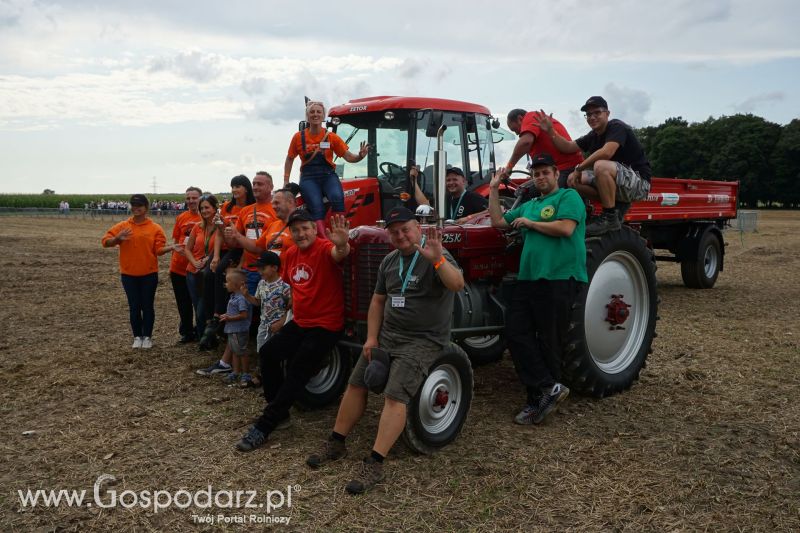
column 552, row 272
column 312, row 269
column 616, row 170
column 409, row 317
column 461, row 205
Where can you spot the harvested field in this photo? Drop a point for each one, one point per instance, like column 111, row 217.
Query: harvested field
column 708, row 439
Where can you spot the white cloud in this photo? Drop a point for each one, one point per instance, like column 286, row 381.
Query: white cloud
column 750, row 104
column 628, row 105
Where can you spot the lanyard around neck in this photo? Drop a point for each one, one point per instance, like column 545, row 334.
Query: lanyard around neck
column 454, row 212
column 410, row 269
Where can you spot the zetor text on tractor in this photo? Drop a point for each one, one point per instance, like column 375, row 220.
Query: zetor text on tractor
column 613, row 322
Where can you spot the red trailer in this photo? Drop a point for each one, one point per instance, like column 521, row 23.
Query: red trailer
column 613, row 323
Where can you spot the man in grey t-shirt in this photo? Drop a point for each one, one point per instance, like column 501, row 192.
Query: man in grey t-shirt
column 409, row 317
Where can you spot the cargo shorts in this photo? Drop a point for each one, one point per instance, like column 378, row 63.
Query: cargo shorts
column 410, row 362
column 630, row 186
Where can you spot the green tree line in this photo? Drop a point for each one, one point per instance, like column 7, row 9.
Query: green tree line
column 762, row 155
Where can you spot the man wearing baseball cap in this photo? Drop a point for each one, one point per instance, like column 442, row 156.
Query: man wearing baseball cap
column 312, row 270
column 552, row 272
column 461, row 205
column 616, row 170
column 409, row 317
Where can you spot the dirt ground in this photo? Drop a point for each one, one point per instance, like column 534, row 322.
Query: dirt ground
column 708, row 439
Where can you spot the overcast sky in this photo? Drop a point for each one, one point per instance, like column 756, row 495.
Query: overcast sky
column 111, row 96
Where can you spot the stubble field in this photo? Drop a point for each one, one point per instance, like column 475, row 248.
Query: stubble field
column 708, row 439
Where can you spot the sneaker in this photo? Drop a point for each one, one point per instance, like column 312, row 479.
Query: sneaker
column 137, row 342
column 370, row 473
column 245, row 380
column 527, row 415
column 252, row 440
column 232, row 379
column 331, row 450
column 217, row 368
column 147, row 343
column 550, row 401
column 603, row 224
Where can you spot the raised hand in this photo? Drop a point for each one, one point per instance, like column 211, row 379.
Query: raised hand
column 124, row 235
column 364, row 149
column 544, row 120
column 339, row 233
column 500, row 175
column 433, row 244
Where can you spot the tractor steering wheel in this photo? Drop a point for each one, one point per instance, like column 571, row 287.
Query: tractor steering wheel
column 396, row 175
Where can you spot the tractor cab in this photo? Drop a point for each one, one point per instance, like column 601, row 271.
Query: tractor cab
column 403, row 132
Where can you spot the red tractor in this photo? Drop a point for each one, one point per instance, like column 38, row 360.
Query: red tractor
column 613, row 323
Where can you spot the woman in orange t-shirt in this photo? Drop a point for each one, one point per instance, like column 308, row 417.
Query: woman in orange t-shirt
column 202, row 251
column 141, row 241
column 316, row 146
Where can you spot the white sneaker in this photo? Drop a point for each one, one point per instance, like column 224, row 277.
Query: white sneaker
column 147, row 343
column 137, row 342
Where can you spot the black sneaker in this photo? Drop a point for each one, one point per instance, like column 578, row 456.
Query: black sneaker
column 331, row 450
column 603, row 224
column 550, row 401
column 252, row 440
column 527, row 415
column 185, row 339
column 370, row 473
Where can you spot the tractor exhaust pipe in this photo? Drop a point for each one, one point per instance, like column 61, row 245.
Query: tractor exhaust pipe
column 439, row 172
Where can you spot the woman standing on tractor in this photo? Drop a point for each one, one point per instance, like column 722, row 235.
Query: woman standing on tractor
column 140, row 242
column 316, row 146
column 202, row 251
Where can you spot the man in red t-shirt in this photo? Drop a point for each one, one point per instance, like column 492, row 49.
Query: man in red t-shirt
column 532, row 142
column 312, row 269
column 177, row 266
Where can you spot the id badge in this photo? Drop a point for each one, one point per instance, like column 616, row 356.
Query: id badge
column 251, row 234
column 398, row 301
column 325, row 145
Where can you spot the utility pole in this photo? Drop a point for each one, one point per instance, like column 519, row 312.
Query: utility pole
column 155, row 186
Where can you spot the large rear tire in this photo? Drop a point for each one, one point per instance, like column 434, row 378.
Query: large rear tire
column 438, row 411
column 329, row 383
column 702, row 271
column 601, row 357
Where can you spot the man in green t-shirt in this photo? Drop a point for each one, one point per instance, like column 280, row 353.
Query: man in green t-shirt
column 552, row 272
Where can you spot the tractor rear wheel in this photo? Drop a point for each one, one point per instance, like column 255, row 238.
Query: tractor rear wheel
column 438, row 411
column 613, row 321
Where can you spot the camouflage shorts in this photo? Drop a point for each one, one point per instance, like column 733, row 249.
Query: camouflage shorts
column 630, row 186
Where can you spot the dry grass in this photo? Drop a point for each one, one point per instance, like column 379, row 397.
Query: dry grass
column 709, row 439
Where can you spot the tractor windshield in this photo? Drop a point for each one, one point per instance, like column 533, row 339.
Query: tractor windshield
column 402, row 137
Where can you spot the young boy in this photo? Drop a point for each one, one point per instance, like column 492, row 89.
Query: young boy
column 272, row 294
column 237, row 325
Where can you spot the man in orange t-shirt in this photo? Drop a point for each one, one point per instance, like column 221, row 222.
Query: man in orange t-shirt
column 252, row 222
column 184, row 223
column 312, row 269
column 277, row 237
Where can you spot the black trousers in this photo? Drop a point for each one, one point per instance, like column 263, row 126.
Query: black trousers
column 536, row 329
column 304, row 350
column 184, row 302
column 141, row 293
column 231, row 257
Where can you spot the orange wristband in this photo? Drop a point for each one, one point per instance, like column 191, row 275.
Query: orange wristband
column 439, row 263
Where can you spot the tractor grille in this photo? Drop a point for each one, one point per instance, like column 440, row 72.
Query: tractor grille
column 359, row 284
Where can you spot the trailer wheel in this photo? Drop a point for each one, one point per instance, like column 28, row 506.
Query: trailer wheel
column 613, row 321
column 438, row 411
column 485, row 349
column 326, row 387
column 702, row 271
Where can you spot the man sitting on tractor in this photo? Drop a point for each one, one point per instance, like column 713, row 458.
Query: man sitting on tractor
column 461, row 205
column 552, row 272
column 532, row 142
column 616, row 169
column 409, row 316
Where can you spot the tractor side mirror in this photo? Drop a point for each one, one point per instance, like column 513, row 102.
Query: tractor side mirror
column 434, row 122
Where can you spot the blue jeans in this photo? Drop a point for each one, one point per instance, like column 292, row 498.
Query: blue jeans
column 315, row 184
column 141, row 293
